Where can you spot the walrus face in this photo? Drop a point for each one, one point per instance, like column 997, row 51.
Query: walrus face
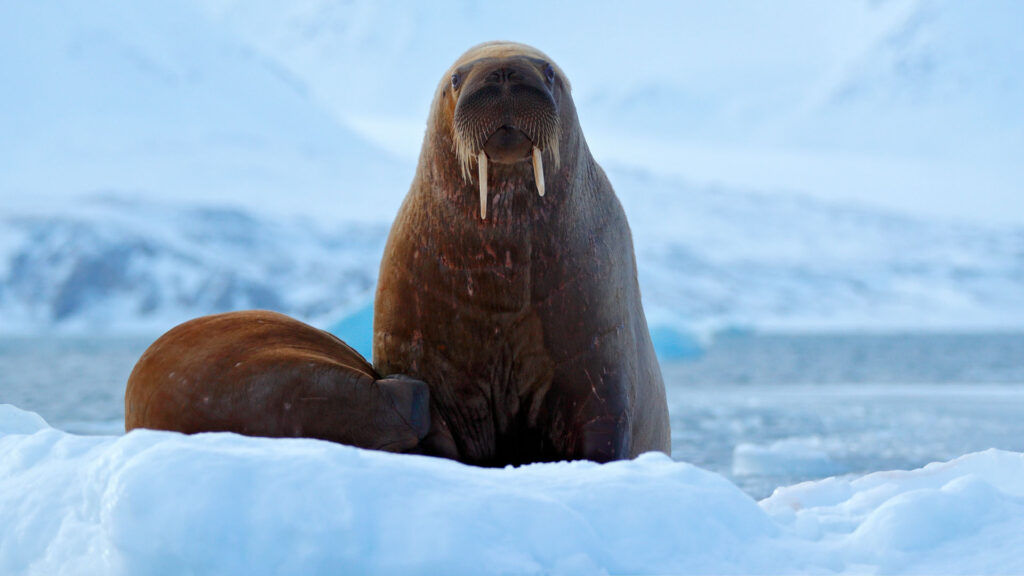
column 505, row 111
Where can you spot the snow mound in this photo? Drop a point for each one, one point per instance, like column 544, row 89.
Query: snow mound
column 163, row 503
column 965, row 516
column 17, row 421
column 154, row 502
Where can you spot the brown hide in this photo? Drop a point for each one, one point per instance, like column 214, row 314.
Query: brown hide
column 523, row 315
column 264, row 374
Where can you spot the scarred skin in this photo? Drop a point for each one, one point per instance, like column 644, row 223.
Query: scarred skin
column 261, row 373
column 527, row 325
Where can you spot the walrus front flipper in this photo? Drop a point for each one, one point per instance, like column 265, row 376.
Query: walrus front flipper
column 604, row 439
column 264, row 374
column 411, row 401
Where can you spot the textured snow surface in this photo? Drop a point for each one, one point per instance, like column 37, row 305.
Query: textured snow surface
column 163, row 503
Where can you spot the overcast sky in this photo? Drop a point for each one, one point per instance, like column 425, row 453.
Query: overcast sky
column 912, row 105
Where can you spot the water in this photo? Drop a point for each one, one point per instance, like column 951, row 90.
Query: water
column 763, row 410
column 76, row 384
column 774, row 410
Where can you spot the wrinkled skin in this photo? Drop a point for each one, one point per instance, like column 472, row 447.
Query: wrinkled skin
column 264, row 374
column 527, row 325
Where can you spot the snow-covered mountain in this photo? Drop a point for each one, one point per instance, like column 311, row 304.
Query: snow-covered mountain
column 119, row 265
column 720, row 259
column 724, row 257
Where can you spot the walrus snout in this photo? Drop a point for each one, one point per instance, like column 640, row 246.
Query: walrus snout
column 508, row 145
column 506, row 111
column 512, row 93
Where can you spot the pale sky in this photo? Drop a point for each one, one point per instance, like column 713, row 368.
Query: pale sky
column 911, row 105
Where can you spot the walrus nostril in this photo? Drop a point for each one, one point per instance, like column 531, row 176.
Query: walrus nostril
column 502, row 75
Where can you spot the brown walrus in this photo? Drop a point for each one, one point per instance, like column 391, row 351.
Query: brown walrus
column 509, row 281
column 264, row 374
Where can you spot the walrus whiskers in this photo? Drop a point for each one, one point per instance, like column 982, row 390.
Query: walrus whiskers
column 481, row 161
column 538, row 170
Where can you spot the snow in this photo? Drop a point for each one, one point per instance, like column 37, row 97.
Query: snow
column 958, row 517
column 163, row 503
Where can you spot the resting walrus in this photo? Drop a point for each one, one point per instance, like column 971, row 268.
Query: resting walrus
column 264, row 374
column 509, row 282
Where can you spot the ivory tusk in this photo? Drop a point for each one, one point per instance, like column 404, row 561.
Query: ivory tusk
column 481, row 161
column 538, row 170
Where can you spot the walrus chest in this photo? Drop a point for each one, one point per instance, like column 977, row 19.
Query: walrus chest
column 487, row 324
column 489, row 295
column 471, row 303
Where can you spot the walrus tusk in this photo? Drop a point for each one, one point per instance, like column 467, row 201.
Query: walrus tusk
column 481, row 161
column 538, row 171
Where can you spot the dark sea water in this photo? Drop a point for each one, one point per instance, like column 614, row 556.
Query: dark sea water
column 763, row 410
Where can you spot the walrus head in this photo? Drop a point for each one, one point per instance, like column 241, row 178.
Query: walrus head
column 503, row 102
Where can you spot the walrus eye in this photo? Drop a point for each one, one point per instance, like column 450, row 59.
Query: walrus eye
column 549, row 72
column 456, row 80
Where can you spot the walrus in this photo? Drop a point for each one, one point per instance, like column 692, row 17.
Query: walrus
column 261, row 373
column 508, row 282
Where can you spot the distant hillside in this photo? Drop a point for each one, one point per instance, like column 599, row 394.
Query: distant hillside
column 727, row 257
column 721, row 259
column 114, row 266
